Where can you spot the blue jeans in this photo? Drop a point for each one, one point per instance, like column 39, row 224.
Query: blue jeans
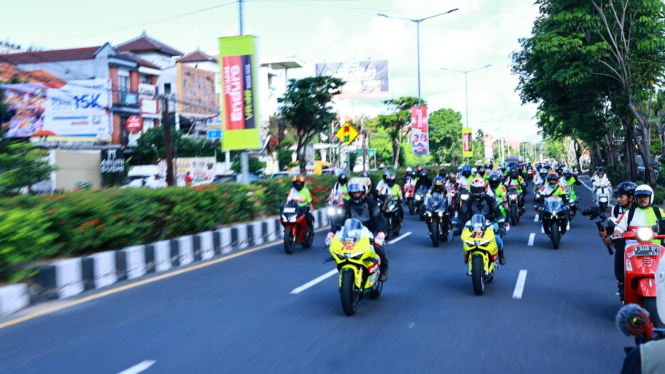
column 497, row 237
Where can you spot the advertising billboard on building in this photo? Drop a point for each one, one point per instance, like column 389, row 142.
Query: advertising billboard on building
column 79, row 110
column 419, row 131
column 239, row 93
column 364, row 79
column 467, row 142
column 196, row 91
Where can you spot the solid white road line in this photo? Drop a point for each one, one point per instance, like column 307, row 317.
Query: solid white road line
column 519, row 287
column 315, row 281
column 531, row 238
column 399, row 238
column 138, row 368
column 585, row 185
column 535, row 219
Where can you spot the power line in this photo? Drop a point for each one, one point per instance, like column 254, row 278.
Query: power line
column 312, row 3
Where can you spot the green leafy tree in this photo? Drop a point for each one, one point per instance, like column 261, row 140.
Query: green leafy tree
column 445, row 136
column 254, row 164
column 24, row 165
column 185, row 147
column 307, row 109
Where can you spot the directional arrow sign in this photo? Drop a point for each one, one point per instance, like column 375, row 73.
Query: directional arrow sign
column 347, row 133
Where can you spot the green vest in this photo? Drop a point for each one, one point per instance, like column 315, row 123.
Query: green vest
column 395, row 191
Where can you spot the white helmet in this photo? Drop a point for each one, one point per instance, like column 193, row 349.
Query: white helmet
column 644, row 189
column 474, row 171
column 409, row 169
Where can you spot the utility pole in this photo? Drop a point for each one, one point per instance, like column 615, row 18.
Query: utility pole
column 167, row 141
column 244, row 155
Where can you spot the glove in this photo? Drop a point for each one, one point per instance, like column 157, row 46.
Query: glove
column 329, row 238
column 502, row 231
column 379, row 239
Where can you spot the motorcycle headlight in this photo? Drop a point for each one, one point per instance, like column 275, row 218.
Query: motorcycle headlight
column 339, row 211
column 469, row 242
column 464, row 197
column 440, row 212
column 428, row 213
column 485, row 242
column 357, row 254
column 417, row 197
column 512, row 196
column 331, row 211
column 284, row 218
column 644, row 234
column 293, row 218
column 391, row 207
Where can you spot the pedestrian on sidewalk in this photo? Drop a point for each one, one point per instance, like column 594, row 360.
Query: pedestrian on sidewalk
column 188, row 180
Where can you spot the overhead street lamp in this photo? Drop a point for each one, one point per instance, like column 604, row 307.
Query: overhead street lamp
column 466, row 86
column 418, row 21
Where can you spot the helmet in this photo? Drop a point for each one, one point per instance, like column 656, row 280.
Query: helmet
column 543, row 172
column 390, row 179
column 342, row 178
column 494, row 181
column 298, row 182
column 423, row 174
column 513, row 172
column 559, row 170
column 459, row 169
column 466, row 171
column 491, row 166
column 478, row 188
column 481, row 171
column 437, row 184
column 474, row 171
column 409, row 170
column 626, row 188
column 442, row 172
column 643, row 190
column 552, row 178
column 452, row 177
column 419, row 169
column 365, row 174
column 600, row 171
column 567, row 173
column 356, row 185
column 385, row 175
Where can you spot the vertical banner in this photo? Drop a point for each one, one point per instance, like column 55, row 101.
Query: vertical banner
column 489, row 147
column 419, row 131
column 467, row 142
column 239, row 109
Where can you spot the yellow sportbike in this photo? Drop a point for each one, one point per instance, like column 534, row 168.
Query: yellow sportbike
column 358, row 266
column 480, row 251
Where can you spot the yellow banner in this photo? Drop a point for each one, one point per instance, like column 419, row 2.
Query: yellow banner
column 467, row 142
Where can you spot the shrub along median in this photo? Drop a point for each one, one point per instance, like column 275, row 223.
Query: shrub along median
column 38, row 227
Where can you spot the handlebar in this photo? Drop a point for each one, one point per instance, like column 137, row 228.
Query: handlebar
column 633, row 235
column 600, row 227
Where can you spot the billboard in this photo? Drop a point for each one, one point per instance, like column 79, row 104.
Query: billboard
column 79, row 110
column 364, row 79
column 467, row 142
column 239, row 93
column 419, row 131
column 196, row 91
column 489, row 147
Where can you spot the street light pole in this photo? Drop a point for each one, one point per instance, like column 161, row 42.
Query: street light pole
column 417, row 22
column 466, row 86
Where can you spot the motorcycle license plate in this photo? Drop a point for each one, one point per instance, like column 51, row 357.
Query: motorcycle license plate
column 603, row 199
column 646, row 250
column 289, row 210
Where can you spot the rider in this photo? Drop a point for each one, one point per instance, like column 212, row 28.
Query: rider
column 500, row 193
column 539, row 179
column 568, row 182
column 442, row 172
column 481, row 203
column 407, row 175
column 642, row 215
column 300, row 194
column 450, row 182
column 339, row 189
column 515, row 181
column 625, row 197
column 423, row 179
column 482, row 173
column 550, row 189
column 393, row 189
column 367, row 178
column 464, row 180
column 382, row 183
column 368, row 213
column 598, row 180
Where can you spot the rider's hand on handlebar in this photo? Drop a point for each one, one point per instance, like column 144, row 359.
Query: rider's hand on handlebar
column 379, row 239
column 329, row 238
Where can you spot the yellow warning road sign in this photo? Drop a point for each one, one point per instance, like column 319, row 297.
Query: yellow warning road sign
column 347, row 133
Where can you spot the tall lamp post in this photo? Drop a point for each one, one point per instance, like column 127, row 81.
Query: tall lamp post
column 466, row 86
column 417, row 22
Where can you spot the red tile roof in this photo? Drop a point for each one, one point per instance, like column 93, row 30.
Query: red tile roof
column 8, row 71
column 139, row 60
column 146, row 44
column 55, row 55
column 197, row 56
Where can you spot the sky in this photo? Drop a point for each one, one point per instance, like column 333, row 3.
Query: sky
column 481, row 32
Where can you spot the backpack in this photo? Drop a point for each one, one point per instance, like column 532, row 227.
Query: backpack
column 631, row 213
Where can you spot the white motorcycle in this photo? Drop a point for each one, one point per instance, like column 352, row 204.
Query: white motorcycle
column 603, row 195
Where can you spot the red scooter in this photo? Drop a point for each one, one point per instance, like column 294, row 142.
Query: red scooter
column 641, row 262
column 296, row 230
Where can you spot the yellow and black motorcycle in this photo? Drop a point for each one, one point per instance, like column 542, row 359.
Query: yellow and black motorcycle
column 480, row 251
column 357, row 263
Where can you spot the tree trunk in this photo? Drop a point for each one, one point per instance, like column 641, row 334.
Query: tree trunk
column 629, row 162
column 396, row 150
column 643, row 148
column 578, row 154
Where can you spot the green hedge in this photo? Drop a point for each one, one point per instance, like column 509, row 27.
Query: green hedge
column 38, row 227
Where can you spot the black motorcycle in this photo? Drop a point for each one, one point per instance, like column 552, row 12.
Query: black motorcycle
column 555, row 220
column 421, row 194
column 515, row 212
column 389, row 208
column 438, row 218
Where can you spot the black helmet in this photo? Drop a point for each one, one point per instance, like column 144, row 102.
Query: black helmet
column 390, row 179
column 385, row 175
column 626, row 188
column 600, row 171
column 513, row 172
column 552, row 178
column 298, row 182
column 442, row 172
column 423, row 174
column 494, row 181
column 481, row 171
column 342, row 178
column 437, row 184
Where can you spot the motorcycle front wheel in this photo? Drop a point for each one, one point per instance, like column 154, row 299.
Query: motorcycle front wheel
column 412, row 209
column 513, row 215
column 309, row 240
column 289, row 241
column 603, row 207
column 434, row 228
column 349, row 296
column 650, row 306
column 477, row 276
column 554, row 235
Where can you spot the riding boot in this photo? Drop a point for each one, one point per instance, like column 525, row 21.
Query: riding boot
column 381, row 251
column 502, row 258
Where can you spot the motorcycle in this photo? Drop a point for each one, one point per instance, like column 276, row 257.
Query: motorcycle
column 420, row 200
column 389, row 208
column 409, row 194
column 480, row 251
column 336, row 213
column 437, row 218
column 514, row 206
column 529, row 175
column 358, row 267
column 554, row 218
column 573, row 204
column 642, row 260
column 603, row 196
column 296, row 230
column 450, row 199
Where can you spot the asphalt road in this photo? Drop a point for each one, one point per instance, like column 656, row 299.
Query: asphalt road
column 240, row 316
